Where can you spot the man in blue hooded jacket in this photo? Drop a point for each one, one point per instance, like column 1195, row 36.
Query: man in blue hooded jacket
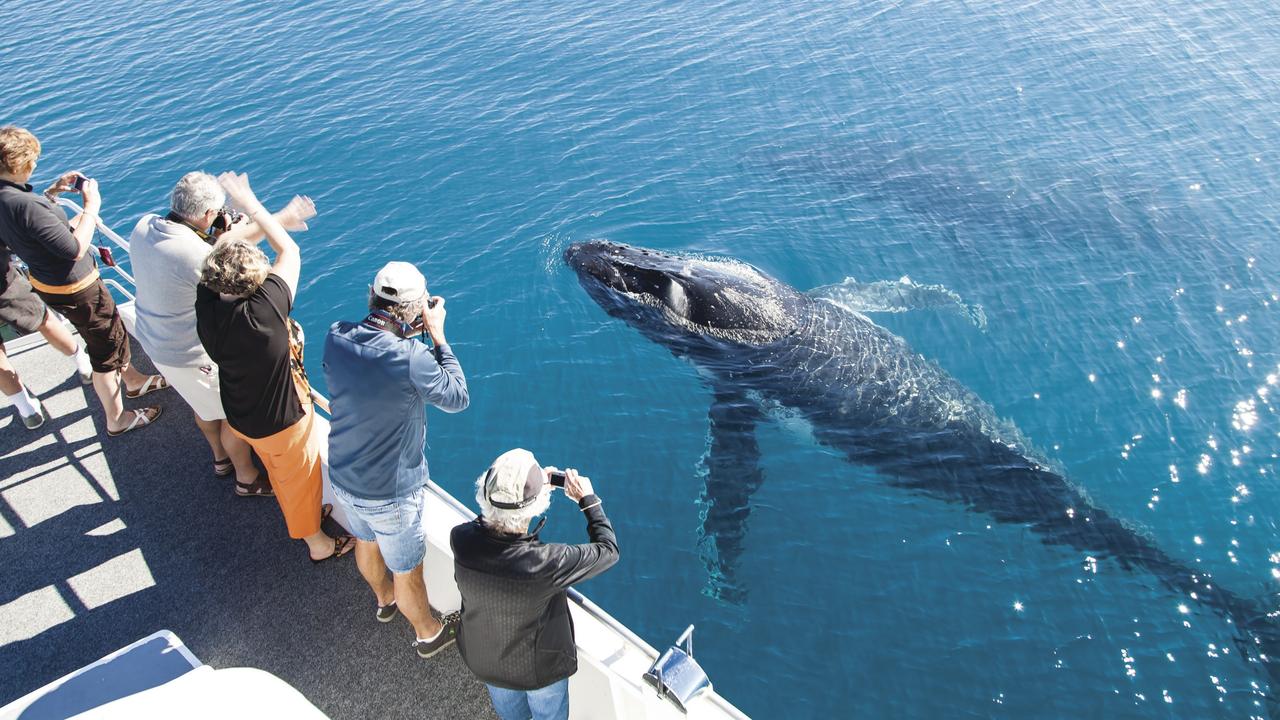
column 381, row 379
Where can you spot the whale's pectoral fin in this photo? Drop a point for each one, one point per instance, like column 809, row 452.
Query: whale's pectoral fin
column 895, row 296
column 731, row 464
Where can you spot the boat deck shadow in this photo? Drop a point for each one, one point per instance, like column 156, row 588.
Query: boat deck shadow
column 106, row 540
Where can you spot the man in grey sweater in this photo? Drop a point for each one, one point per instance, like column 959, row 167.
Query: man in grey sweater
column 167, row 253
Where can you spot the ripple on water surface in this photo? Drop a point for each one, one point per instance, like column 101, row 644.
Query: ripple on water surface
column 1099, row 181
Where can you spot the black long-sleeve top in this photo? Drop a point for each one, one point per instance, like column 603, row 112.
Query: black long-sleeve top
column 516, row 631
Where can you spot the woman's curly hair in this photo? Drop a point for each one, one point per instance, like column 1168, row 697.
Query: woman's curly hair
column 235, row 268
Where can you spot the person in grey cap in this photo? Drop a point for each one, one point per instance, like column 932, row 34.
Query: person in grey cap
column 516, row 634
column 381, row 380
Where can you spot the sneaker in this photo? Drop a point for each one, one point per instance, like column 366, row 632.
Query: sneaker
column 448, row 634
column 33, row 421
column 387, row 613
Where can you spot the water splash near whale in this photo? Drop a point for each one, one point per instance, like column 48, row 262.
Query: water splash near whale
column 898, row 296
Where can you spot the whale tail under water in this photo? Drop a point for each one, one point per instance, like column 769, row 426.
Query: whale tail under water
column 999, row 483
column 867, row 395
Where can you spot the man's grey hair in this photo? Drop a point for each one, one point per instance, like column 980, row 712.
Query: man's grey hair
column 510, row 522
column 406, row 312
column 196, row 194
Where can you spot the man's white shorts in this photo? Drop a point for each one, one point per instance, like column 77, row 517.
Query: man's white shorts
column 198, row 385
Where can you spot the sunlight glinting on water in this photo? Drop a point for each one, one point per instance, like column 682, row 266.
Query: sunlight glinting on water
column 1066, row 213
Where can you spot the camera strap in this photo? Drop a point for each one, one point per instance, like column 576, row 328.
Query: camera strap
column 382, row 320
column 176, row 218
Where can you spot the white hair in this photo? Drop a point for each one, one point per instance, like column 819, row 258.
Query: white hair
column 405, row 312
column 510, row 522
column 196, row 194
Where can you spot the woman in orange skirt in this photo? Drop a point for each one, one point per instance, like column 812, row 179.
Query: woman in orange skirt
column 242, row 317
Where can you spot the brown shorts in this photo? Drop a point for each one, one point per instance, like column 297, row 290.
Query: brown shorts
column 93, row 313
column 19, row 306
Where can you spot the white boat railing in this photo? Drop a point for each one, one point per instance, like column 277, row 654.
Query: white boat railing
column 712, row 704
column 119, row 241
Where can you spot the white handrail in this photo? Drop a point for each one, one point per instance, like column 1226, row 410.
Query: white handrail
column 102, row 227
column 113, row 237
column 119, row 288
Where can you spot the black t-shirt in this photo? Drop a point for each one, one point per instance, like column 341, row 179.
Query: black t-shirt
column 249, row 339
column 36, row 230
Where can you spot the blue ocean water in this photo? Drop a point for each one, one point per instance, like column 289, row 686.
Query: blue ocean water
column 1099, row 178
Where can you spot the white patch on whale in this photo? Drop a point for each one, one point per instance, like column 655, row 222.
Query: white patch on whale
column 896, row 296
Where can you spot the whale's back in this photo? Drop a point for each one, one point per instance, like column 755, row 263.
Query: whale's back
column 853, row 376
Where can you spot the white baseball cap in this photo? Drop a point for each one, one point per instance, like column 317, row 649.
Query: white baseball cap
column 514, row 480
column 399, row 282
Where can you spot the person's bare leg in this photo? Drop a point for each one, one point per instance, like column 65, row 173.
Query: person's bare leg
column 374, row 570
column 321, row 545
column 57, row 335
column 240, row 453
column 132, row 378
column 411, row 598
column 212, row 431
column 10, row 383
column 107, row 386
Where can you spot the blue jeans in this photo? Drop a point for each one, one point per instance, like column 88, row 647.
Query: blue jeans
column 548, row 703
column 396, row 525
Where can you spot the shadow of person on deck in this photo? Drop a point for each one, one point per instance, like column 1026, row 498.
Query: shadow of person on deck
column 105, row 540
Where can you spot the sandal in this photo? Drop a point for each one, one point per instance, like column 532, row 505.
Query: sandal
column 223, row 468
column 142, row 417
column 153, row 383
column 260, row 487
column 342, row 545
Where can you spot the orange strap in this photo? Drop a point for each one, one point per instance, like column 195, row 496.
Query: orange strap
column 71, row 289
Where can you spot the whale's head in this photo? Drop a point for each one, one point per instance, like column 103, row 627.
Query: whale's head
column 677, row 298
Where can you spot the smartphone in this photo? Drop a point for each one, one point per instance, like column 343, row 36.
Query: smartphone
column 78, row 183
column 557, row 478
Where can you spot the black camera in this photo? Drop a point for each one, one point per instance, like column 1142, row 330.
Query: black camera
column 225, row 218
column 557, row 478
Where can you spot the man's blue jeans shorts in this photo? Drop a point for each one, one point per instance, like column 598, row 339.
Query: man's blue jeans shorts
column 548, row 703
column 396, row 525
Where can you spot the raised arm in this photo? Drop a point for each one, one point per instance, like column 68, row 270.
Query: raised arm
column 86, row 222
column 583, row 562
column 293, row 218
column 437, row 373
column 288, row 264
column 53, row 234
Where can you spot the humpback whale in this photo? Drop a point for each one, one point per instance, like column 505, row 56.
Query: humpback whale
column 761, row 343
